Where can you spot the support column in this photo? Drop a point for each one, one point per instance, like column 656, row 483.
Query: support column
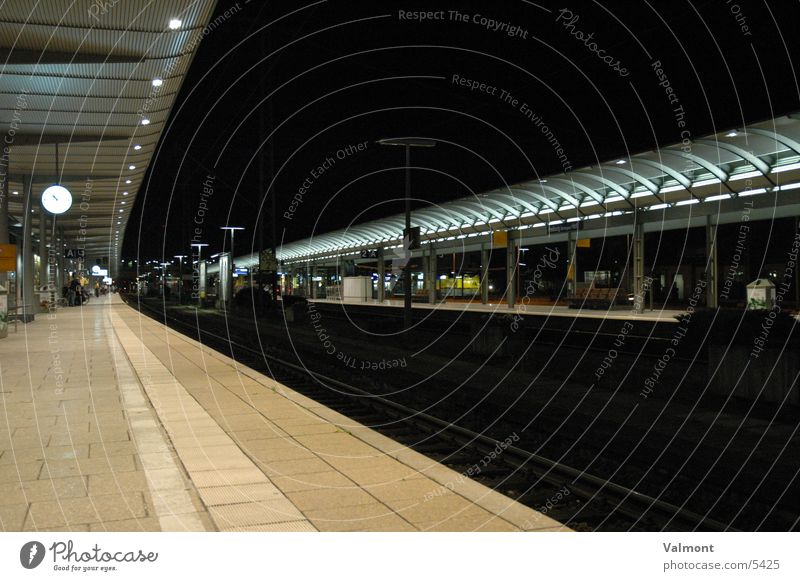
column 711, row 269
column 381, row 276
column 432, row 272
column 511, row 270
column 484, row 275
column 312, row 286
column 44, row 268
column 26, row 276
column 572, row 269
column 638, row 267
column 4, row 239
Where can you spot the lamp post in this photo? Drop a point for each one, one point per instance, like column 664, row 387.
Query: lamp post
column 164, row 266
column 408, row 243
column 201, row 283
column 180, row 258
column 232, row 230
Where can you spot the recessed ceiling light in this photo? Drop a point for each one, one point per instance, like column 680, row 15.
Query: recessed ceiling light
column 157, row 82
column 731, row 134
column 124, row 193
column 122, row 202
column 137, row 147
column 120, row 211
column 145, row 121
column 131, row 167
column 127, row 181
column 15, row 192
column 175, row 24
column 620, row 161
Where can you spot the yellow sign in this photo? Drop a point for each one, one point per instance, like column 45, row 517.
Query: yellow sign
column 584, row 243
column 8, row 257
column 500, row 238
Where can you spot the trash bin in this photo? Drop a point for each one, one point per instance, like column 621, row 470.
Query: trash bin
column 760, row 294
column 3, row 312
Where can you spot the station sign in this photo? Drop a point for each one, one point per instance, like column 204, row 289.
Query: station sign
column 372, row 253
column 8, row 257
column 74, row 253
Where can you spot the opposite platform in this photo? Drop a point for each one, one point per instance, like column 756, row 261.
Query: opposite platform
column 123, row 424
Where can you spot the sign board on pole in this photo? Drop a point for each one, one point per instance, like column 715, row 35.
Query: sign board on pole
column 8, row 257
column 74, row 253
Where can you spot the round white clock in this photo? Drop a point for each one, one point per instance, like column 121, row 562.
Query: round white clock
column 56, row 199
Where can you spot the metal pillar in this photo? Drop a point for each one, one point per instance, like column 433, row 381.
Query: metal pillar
column 511, row 270
column 484, row 275
column 381, row 276
column 638, row 267
column 44, row 267
column 572, row 270
column 432, row 271
column 312, row 286
column 26, row 276
column 407, row 247
column 711, row 270
column 4, row 197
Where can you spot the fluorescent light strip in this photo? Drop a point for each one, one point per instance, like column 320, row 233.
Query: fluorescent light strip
column 702, row 183
column 751, row 192
column 788, row 167
column 715, row 198
column 744, row 176
column 671, row 189
column 789, row 187
column 641, row 194
column 687, row 202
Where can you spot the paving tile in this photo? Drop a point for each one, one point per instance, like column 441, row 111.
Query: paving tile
column 284, row 527
column 133, row 525
column 252, row 513
column 72, row 511
column 313, row 481
column 12, row 517
column 238, row 494
column 206, row 478
column 329, row 498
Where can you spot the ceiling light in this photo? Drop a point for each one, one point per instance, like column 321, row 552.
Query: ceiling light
column 127, row 181
column 145, row 121
column 15, row 192
column 137, row 147
column 124, row 193
column 175, row 24
column 120, row 211
column 620, row 161
column 122, row 202
column 131, row 167
column 157, row 82
column 731, row 134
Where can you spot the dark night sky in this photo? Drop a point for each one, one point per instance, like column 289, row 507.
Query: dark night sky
column 347, row 72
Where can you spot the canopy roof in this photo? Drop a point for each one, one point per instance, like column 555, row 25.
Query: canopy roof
column 79, row 73
column 739, row 162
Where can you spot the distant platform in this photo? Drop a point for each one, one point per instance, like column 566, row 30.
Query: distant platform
column 111, row 421
column 615, row 313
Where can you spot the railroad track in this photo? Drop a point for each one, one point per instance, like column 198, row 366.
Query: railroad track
column 589, row 503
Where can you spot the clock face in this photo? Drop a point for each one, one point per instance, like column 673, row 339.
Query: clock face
column 56, row 199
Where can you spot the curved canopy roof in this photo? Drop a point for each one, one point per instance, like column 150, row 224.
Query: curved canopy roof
column 80, row 74
column 744, row 161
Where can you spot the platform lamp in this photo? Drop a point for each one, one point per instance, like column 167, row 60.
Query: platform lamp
column 409, row 242
column 56, row 199
column 180, row 258
column 202, row 283
column 164, row 266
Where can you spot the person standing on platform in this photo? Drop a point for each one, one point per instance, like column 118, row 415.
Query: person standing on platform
column 73, row 291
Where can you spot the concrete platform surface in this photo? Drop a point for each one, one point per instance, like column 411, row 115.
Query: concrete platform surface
column 110, row 421
column 615, row 313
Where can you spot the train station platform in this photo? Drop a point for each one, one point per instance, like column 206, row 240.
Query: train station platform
column 110, row 421
column 611, row 314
